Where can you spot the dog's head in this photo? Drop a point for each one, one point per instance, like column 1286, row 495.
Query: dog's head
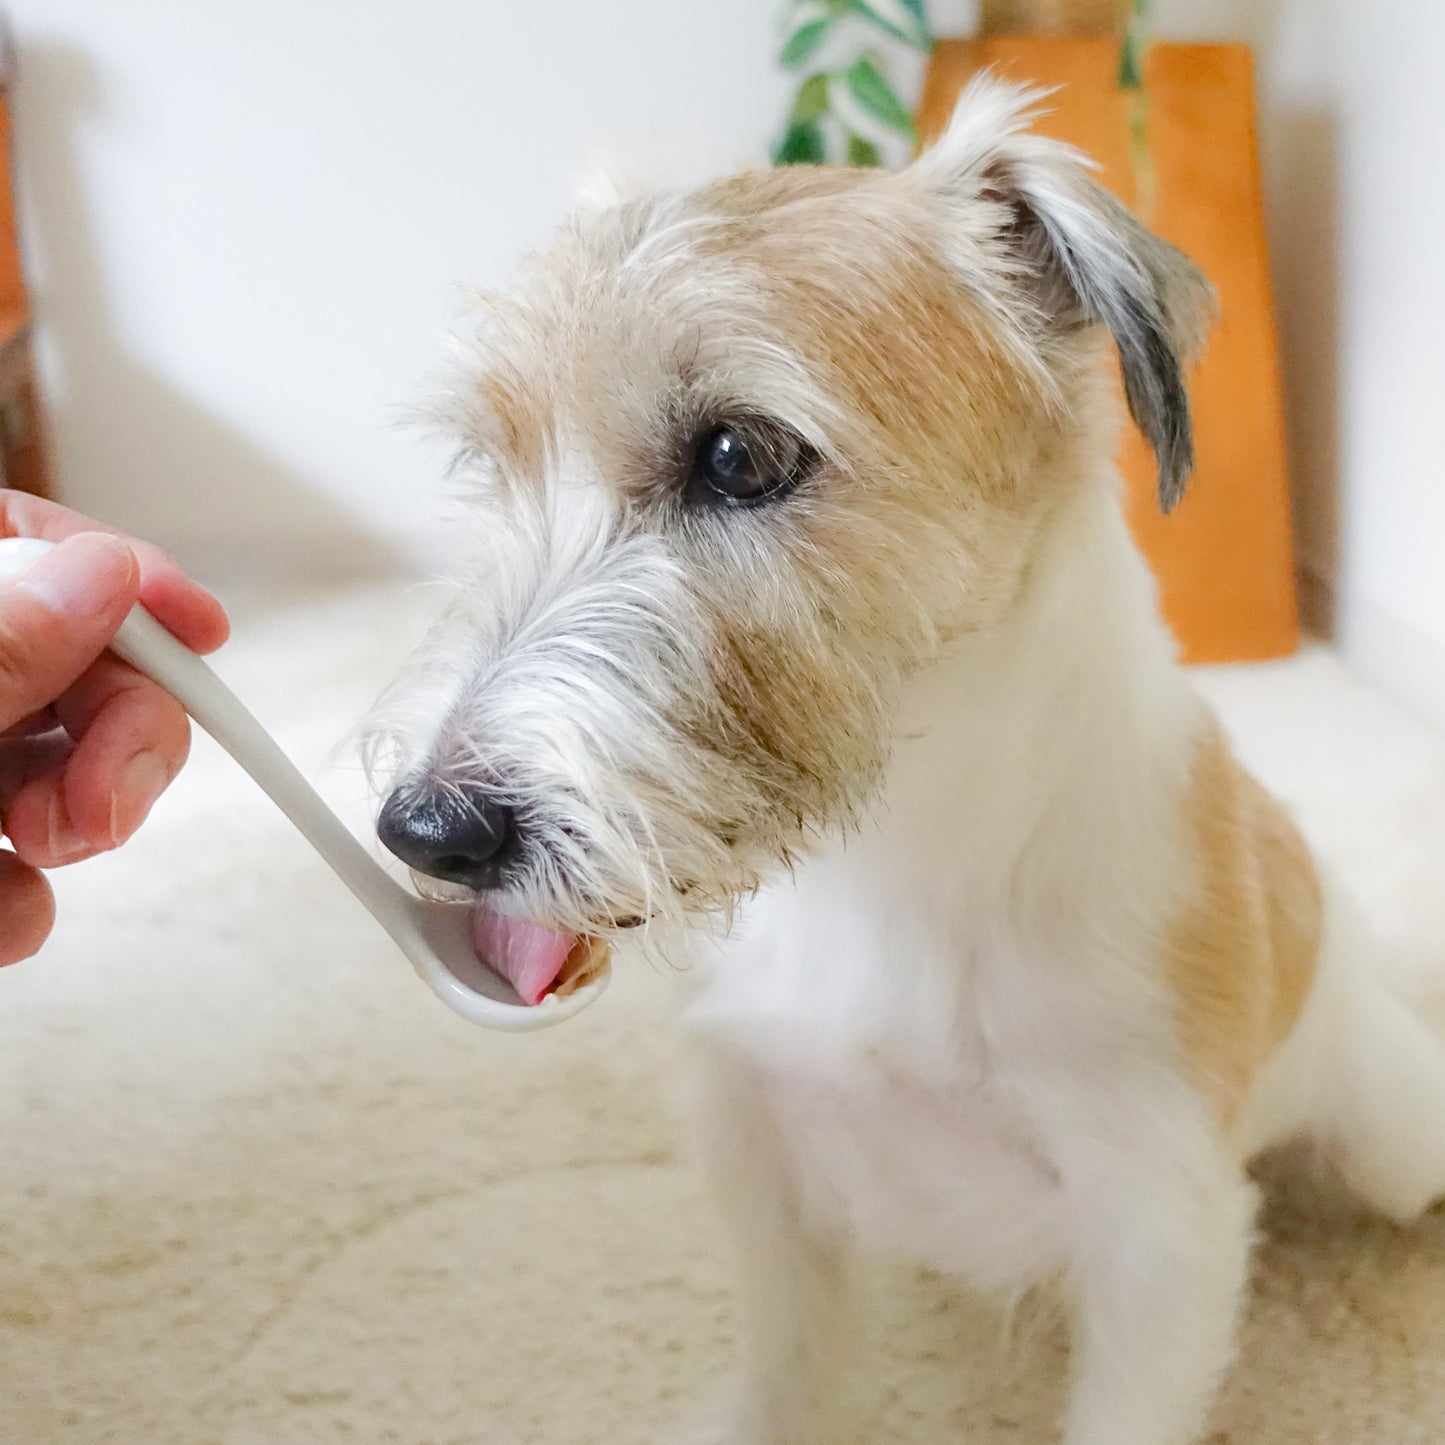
column 739, row 462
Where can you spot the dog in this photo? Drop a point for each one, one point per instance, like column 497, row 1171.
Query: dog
column 804, row 642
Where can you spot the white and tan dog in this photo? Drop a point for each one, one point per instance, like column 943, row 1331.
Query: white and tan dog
column 805, row 629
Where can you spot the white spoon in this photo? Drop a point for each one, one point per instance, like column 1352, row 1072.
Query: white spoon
column 436, row 937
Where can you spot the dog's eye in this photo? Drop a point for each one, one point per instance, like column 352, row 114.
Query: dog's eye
column 739, row 466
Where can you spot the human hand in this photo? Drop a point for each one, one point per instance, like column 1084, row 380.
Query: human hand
column 86, row 743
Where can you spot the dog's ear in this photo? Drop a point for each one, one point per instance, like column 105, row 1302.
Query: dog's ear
column 1075, row 254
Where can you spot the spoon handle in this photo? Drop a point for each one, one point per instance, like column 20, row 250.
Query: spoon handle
column 150, row 649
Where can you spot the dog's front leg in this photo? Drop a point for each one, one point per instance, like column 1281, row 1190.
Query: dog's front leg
column 791, row 1277
column 1159, row 1274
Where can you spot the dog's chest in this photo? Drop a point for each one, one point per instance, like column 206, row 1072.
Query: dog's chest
column 903, row 1119
column 939, row 1171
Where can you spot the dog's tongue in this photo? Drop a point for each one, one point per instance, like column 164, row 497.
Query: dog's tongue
column 527, row 955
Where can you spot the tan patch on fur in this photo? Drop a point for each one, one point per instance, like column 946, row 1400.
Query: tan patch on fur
column 884, row 323
column 520, row 423
column 1242, row 955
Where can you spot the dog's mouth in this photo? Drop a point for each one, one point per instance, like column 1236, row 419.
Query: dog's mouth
column 536, row 960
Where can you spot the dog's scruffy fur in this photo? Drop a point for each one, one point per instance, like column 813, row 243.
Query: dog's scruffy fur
column 997, row 957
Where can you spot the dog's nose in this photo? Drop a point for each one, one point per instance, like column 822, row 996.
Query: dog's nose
column 459, row 837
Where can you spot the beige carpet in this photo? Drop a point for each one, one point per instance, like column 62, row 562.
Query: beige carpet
column 258, row 1188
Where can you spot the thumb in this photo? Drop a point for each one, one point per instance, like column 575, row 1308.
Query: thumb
column 57, row 616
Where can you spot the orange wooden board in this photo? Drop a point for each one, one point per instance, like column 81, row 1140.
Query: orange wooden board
column 22, row 439
column 1224, row 557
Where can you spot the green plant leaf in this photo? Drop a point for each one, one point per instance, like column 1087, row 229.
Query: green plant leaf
column 863, row 152
column 803, row 144
column 812, row 99
column 903, row 19
column 804, row 41
column 919, row 10
column 1131, row 62
column 867, row 86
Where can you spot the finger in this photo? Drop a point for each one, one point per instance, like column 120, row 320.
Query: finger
column 56, row 617
column 181, row 605
column 27, row 909
column 131, row 739
column 23, row 760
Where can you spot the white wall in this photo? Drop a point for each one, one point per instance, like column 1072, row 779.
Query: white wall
column 246, row 222
column 1391, row 375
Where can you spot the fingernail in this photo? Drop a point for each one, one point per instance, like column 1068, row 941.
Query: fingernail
column 141, row 782
column 81, row 576
column 65, row 842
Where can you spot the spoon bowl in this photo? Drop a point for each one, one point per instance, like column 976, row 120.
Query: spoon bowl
column 435, row 936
